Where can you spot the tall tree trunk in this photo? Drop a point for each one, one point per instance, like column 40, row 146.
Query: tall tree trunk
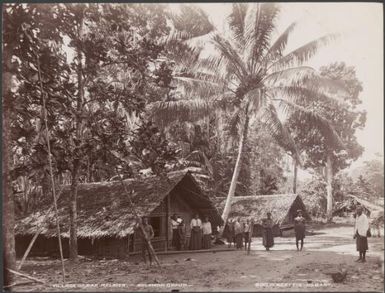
column 237, row 168
column 219, row 133
column 9, row 254
column 73, row 241
column 329, row 190
column 295, row 176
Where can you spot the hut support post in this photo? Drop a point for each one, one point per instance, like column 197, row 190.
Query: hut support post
column 29, row 248
column 167, row 217
column 152, row 251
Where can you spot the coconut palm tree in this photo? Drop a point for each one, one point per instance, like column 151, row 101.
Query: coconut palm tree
column 242, row 70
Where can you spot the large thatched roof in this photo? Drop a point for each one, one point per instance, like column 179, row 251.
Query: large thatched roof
column 256, row 206
column 104, row 210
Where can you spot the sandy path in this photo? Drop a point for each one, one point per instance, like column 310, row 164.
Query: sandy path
column 282, row 269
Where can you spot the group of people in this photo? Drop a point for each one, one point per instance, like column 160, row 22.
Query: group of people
column 237, row 232
column 200, row 237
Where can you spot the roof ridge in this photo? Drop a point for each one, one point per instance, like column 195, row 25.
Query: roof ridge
column 172, row 173
column 259, row 196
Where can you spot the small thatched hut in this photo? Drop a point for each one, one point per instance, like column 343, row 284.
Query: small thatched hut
column 106, row 222
column 351, row 202
column 283, row 208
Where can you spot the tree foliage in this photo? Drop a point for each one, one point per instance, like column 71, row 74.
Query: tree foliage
column 346, row 119
column 95, row 65
column 117, row 45
column 151, row 149
column 365, row 181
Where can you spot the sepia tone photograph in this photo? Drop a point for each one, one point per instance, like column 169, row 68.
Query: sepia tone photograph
column 192, row 147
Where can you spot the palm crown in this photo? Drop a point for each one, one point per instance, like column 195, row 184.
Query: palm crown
column 249, row 74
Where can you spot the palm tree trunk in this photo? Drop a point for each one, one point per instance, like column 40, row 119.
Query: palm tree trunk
column 295, row 176
column 329, row 190
column 73, row 242
column 237, row 169
column 8, row 234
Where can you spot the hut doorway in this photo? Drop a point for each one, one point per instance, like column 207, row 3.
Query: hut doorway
column 156, row 223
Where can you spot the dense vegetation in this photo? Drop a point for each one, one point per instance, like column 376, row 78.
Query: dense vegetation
column 107, row 90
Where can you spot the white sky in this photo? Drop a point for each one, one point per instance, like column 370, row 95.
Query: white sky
column 361, row 47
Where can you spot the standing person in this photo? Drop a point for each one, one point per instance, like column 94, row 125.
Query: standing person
column 149, row 233
column 196, row 233
column 267, row 225
column 361, row 229
column 181, row 235
column 228, row 232
column 299, row 228
column 174, row 227
column 207, row 231
column 238, row 230
column 246, row 232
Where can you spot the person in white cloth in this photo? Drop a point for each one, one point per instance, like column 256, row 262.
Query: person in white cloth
column 360, row 233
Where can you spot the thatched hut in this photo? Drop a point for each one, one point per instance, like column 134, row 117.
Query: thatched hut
column 350, row 204
column 283, row 208
column 105, row 219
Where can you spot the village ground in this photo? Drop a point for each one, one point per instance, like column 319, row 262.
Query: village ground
column 330, row 249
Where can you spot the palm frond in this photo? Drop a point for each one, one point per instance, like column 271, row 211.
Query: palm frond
column 193, row 81
column 188, row 109
column 236, row 22
column 201, row 77
column 279, row 131
column 315, row 120
column 193, row 20
column 276, row 50
column 230, row 54
column 218, row 66
column 198, row 155
column 307, row 81
column 224, row 101
column 175, row 36
column 260, row 23
column 182, row 53
column 199, row 83
column 304, row 53
column 302, row 95
column 332, row 87
column 290, row 76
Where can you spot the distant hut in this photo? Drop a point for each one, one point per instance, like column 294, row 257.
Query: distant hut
column 282, row 206
column 105, row 221
column 351, row 202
